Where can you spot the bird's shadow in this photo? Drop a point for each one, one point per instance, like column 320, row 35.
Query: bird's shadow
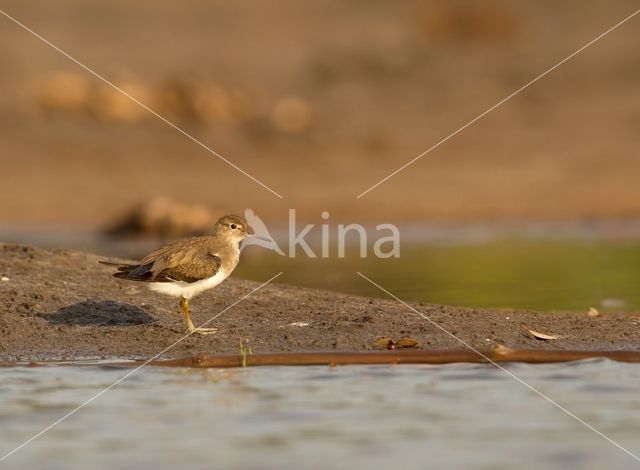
column 99, row 313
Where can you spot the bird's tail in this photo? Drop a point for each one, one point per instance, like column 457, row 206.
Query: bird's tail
column 132, row 272
column 123, row 269
column 120, row 266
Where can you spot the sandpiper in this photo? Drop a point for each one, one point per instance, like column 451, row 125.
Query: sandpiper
column 186, row 267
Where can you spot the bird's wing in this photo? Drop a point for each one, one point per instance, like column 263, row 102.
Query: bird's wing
column 187, row 260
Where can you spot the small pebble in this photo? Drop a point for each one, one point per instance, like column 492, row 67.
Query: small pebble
column 4, row 278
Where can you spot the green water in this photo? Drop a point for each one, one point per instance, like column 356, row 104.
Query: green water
column 520, row 273
column 581, row 270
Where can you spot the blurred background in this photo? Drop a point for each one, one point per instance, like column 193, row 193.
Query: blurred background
column 535, row 205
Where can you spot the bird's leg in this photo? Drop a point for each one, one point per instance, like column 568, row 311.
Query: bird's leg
column 184, row 305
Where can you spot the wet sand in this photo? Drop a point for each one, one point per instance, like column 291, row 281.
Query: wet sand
column 62, row 304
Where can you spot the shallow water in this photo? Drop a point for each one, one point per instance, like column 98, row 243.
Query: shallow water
column 456, row 416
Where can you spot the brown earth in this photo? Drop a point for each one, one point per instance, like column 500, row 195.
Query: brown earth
column 62, row 304
column 320, row 102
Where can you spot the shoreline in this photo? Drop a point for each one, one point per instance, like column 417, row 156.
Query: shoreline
column 495, row 355
column 62, row 305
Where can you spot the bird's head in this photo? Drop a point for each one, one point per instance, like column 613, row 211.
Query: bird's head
column 232, row 227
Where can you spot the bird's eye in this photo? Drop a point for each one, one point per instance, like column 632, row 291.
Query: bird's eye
column 234, row 226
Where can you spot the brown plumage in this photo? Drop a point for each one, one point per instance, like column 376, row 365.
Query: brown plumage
column 187, row 260
column 184, row 268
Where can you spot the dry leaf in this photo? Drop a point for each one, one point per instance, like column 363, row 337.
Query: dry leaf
column 542, row 336
column 593, row 312
column 384, row 343
column 407, row 343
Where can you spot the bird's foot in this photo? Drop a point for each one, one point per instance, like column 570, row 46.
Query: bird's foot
column 202, row 331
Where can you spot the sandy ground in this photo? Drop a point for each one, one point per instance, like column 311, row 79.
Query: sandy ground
column 62, row 304
column 380, row 83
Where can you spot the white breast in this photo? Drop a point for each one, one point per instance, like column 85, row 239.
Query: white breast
column 188, row 289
